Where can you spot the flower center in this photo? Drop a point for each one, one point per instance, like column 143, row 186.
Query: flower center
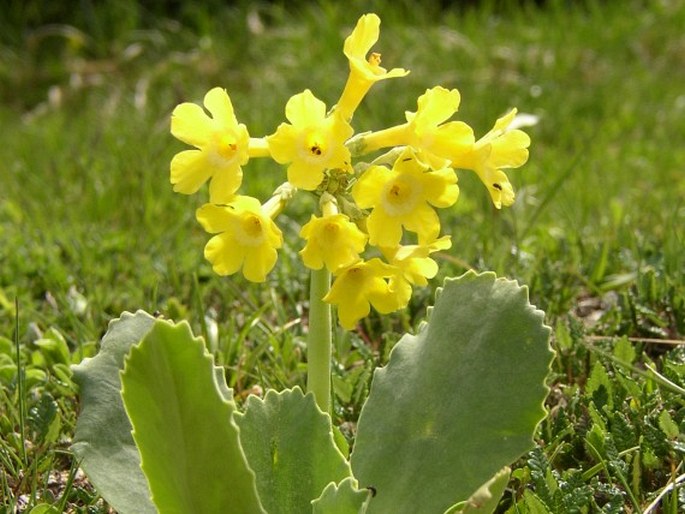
column 374, row 60
column 355, row 275
column 226, row 145
column 314, row 145
column 331, row 232
column 252, row 229
column 400, row 196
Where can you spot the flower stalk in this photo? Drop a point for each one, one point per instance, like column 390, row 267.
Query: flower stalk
column 319, row 340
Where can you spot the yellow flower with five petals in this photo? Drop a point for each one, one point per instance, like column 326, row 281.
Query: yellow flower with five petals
column 311, row 143
column 365, row 68
column 499, row 149
column 414, row 260
column 358, row 287
column 222, row 146
column 332, row 240
column 404, row 196
column 435, row 139
column 246, row 237
column 414, row 265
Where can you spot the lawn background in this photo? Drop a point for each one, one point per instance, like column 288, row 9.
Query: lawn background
column 89, row 226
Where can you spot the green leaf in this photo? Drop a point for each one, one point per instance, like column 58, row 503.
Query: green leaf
column 457, row 402
column 668, row 426
column 531, row 504
column 289, row 444
column 44, row 508
column 599, row 387
column 53, row 347
column 342, row 498
column 42, row 416
column 103, row 442
column 183, row 426
column 624, row 351
column 486, row 498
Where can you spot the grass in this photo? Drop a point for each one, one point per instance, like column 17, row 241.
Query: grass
column 89, row 226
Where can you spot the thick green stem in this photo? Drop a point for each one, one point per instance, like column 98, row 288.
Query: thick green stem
column 319, row 340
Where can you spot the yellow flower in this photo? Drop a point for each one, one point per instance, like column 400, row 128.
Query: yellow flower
column 222, row 147
column 413, row 265
column 402, row 197
column 333, row 241
column 415, row 262
column 498, row 149
column 312, row 142
column 246, row 237
column 364, row 71
column 435, row 141
column 358, row 287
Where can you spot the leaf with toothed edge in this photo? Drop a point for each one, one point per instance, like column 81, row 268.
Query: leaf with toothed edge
column 457, row 402
column 183, row 426
column 342, row 498
column 289, row 444
column 102, row 442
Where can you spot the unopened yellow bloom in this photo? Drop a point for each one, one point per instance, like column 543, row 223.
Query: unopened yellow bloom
column 497, row 150
column 358, row 287
column 246, row 238
column 222, row 147
column 312, row 142
column 427, row 130
column 364, row 70
column 333, row 241
column 403, row 197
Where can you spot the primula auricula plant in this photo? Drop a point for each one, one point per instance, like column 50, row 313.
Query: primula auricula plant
column 377, row 224
column 456, row 403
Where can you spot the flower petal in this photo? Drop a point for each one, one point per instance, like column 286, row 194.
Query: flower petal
column 224, row 184
column 363, row 37
column 510, row 150
column 424, row 221
column 190, row 124
column 384, row 230
column 225, row 255
column 282, row 143
column 258, row 262
column 367, row 190
column 219, row 104
column 440, row 187
column 304, row 109
column 216, row 218
column 189, row 170
column 452, row 140
column 436, row 106
column 305, row 176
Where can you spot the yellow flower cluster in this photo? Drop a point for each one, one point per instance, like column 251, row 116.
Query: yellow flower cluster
column 388, row 204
